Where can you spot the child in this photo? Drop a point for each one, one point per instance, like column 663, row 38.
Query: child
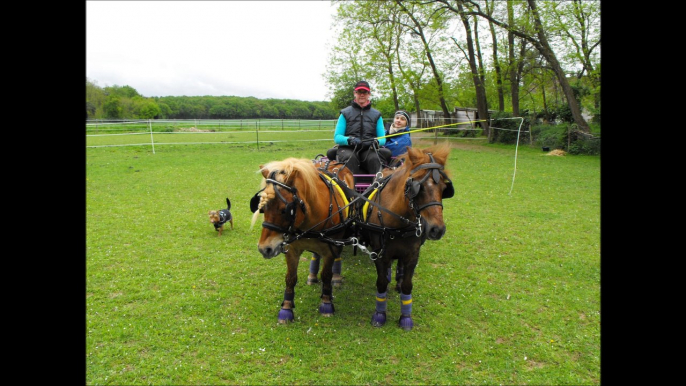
column 397, row 143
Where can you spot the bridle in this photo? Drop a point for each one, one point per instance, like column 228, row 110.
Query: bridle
column 413, row 187
column 292, row 233
column 291, row 207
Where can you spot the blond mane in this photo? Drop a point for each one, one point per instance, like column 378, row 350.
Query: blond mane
column 291, row 171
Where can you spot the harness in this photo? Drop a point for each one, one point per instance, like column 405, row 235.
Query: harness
column 360, row 210
column 293, row 233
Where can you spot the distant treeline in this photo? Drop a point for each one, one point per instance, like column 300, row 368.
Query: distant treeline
column 124, row 102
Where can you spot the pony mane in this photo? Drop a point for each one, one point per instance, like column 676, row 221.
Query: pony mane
column 286, row 170
column 416, row 156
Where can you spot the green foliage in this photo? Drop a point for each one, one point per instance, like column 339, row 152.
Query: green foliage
column 506, row 130
column 552, row 136
column 585, row 146
column 510, row 295
column 112, row 107
column 122, row 91
column 559, row 137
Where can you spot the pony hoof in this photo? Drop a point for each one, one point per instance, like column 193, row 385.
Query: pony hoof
column 405, row 322
column 378, row 319
column 312, row 280
column 326, row 309
column 285, row 316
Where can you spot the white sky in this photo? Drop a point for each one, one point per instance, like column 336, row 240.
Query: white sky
column 263, row 49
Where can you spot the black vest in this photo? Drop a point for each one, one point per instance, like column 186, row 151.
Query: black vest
column 361, row 122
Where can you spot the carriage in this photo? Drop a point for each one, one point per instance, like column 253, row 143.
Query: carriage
column 319, row 206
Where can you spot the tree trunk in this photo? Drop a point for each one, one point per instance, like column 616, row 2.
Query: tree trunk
column 514, row 78
column 496, row 64
column 547, row 52
column 481, row 102
column 437, row 76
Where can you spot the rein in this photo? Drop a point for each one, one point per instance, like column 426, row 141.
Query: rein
column 412, row 188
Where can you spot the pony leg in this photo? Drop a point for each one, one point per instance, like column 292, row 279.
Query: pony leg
column 286, row 312
column 398, row 276
column 314, row 269
column 405, row 321
column 337, row 278
column 382, row 280
column 326, row 307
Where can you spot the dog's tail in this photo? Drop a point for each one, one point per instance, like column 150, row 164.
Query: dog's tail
column 228, row 204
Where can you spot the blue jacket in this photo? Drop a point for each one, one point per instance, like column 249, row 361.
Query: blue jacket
column 397, row 143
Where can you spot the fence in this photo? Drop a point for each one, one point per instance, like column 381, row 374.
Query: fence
column 112, row 133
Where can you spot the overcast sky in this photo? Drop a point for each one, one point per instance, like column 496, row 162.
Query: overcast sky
column 263, row 49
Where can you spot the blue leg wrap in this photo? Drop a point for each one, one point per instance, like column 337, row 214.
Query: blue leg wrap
column 381, row 302
column 406, row 310
column 406, row 304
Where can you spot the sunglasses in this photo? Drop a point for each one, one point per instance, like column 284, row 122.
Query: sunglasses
column 362, row 91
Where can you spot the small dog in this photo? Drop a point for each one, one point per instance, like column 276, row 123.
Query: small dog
column 220, row 217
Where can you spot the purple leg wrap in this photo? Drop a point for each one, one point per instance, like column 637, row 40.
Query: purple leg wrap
column 337, row 266
column 379, row 317
column 286, row 315
column 314, row 264
column 326, row 309
column 406, row 310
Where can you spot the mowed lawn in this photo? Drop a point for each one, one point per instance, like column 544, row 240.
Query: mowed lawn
column 510, row 295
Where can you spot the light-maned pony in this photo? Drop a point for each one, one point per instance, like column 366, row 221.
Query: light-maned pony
column 305, row 209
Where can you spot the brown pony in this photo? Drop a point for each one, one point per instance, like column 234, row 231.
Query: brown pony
column 403, row 213
column 305, row 209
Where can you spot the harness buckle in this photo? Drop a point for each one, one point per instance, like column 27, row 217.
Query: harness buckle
column 372, row 255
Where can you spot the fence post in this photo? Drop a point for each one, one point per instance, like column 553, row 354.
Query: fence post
column 152, row 141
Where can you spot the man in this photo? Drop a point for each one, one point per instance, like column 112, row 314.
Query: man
column 359, row 133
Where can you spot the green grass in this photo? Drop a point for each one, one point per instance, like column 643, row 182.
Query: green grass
column 511, row 294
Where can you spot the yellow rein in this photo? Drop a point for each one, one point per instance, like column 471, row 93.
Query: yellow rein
column 340, row 191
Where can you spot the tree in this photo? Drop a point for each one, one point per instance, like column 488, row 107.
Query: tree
column 496, row 60
column 538, row 39
column 112, row 107
column 481, row 103
column 417, row 28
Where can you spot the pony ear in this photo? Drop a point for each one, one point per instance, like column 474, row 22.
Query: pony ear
column 265, row 172
column 415, row 156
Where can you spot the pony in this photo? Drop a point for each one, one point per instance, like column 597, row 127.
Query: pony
column 305, row 208
column 401, row 213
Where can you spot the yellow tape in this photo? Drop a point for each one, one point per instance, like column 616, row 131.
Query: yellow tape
column 406, row 302
column 380, row 299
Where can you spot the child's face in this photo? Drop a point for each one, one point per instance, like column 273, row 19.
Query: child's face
column 400, row 121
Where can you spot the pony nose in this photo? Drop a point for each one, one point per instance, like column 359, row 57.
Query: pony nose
column 269, row 252
column 436, row 232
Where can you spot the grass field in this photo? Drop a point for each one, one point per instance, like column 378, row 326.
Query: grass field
column 511, row 294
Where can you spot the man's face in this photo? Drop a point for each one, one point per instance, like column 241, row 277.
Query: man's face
column 362, row 96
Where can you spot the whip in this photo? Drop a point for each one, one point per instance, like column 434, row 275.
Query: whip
column 428, row 128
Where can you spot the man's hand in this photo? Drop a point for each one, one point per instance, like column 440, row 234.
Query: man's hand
column 354, row 141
